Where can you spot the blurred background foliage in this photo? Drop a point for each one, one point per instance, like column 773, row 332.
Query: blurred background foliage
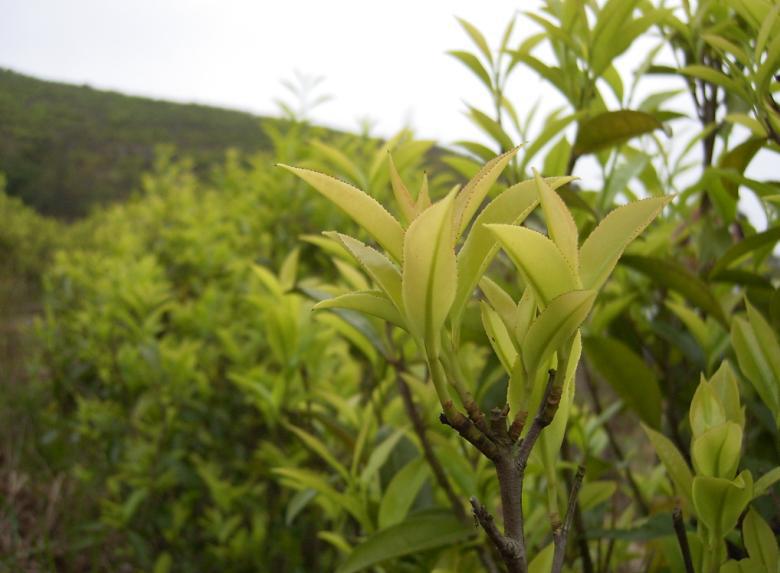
column 170, row 402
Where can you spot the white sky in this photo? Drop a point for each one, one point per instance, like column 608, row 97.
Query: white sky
column 381, row 60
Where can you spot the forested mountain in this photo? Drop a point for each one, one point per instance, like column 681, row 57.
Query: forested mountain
column 65, row 148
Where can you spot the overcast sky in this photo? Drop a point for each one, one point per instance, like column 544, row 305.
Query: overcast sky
column 380, row 60
column 385, row 61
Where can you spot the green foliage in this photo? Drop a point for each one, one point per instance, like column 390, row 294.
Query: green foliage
column 232, row 398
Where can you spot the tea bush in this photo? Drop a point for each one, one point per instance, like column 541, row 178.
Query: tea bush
column 233, row 398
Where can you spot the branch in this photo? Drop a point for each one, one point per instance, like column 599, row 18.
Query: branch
column 430, row 456
column 682, row 538
column 507, row 547
column 544, row 416
column 465, row 427
column 561, row 535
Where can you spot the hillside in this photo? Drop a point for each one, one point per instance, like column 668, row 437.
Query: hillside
column 65, row 148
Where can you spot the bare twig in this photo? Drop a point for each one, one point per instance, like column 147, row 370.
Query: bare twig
column 430, row 456
column 560, row 536
column 579, row 525
column 682, row 538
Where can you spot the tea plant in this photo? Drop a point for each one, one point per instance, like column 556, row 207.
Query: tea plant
column 423, row 285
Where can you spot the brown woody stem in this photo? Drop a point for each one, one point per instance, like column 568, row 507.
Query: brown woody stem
column 682, row 538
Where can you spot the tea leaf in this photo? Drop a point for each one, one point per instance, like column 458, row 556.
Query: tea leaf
column 716, row 452
column 560, row 224
column 539, row 260
column 499, row 338
column 470, row 197
column 370, row 302
column 472, row 62
column 760, row 540
column 378, row 267
column 632, row 379
column 745, row 247
column 555, row 325
column 611, row 128
column 417, row 533
column 672, row 459
column 364, row 209
column 430, row 272
column 401, row 492
column 402, row 195
column 602, row 249
column 719, row 501
column 674, row 276
column 511, row 207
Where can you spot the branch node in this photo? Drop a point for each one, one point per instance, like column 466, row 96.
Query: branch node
column 516, row 428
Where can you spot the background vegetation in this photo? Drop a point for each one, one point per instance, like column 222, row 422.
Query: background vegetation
column 171, row 402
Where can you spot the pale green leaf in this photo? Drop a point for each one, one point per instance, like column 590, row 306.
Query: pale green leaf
column 383, row 272
column 306, row 479
column 315, row 445
column 492, row 128
column 596, row 492
column 693, row 322
column 672, row 459
column 716, row 452
column 713, row 76
column 760, row 540
column 560, row 224
column 401, row 492
column 402, row 196
column 719, row 502
column 555, row 326
column 766, row 481
column 542, row 563
column 370, row 302
column 351, row 275
column 744, row 120
column 289, row 270
column 500, row 301
column 745, row 247
column 755, row 364
column 602, row 249
column 364, row 209
column 510, row 207
column 339, row 159
column 379, row 455
column 706, row 410
column 499, row 337
column 763, row 34
column 725, row 384
column 477, row 37
column 430, row 272
column 539, row 260
column 471, row 196
column 472, row 63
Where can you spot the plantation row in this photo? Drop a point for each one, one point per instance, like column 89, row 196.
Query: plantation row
column 474, row 369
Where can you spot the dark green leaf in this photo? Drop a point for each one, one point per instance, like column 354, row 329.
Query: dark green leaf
column 632, row 379
column 674, row 276
column 612, row 128
column 418, row 533
column 659, row 525
column 744, row 247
